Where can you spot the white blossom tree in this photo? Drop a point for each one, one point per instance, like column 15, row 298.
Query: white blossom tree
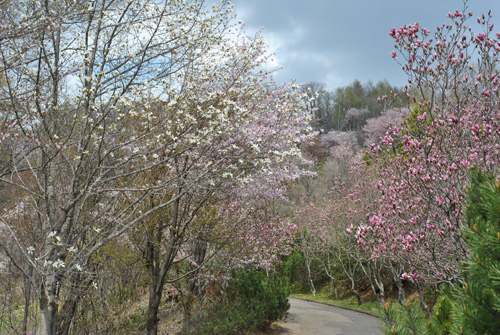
column 135, row 116
column 81, row 86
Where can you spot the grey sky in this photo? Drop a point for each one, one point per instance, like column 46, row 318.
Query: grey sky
column 337, row 41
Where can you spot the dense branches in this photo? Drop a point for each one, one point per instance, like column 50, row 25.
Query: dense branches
column 424, row 163
column 128, row 114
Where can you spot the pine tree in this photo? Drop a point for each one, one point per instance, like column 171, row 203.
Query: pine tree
column 478, row 305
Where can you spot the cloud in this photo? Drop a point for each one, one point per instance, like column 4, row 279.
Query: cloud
column 335, row 42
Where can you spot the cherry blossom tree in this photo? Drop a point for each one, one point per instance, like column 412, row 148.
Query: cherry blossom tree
column 242, row 144
column 375, row 128
column 324, row 218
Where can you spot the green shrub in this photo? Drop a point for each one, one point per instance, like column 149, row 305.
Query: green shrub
column 440, row 321
column 251, row 300
column 403, row 320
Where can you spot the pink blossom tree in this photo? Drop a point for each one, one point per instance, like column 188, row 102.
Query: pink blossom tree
column 325, row 223
column 453, row 81
column 375, row 128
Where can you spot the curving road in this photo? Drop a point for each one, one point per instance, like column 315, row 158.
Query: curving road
column 310, row 318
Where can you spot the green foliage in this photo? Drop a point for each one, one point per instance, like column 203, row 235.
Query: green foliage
column 251, row 300
column 134, row 322
column 403, row 320
column 332, row 106
column 268, row 294
column 417, row 121
column 440, row 321
column 478, row 303
column 294, row 269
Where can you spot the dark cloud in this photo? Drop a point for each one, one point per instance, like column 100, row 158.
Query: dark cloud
column 335, row 42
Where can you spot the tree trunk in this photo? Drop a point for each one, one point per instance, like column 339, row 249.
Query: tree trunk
column 66, row 314
column 186, row 322
column 332, row 278
column 48, row 313
column 311, row 284
column 380, row 284
column 353, row 289
column 397, row 279
column 351, row 273
column 334, row 289
column 27, row 298
column 198, row 252
column 422, row 299
column 373, row 275
column 157, row 274
column 153, row 306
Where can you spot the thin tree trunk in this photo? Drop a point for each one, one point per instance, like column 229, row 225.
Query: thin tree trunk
column 311, row 284
column 353, row 282
column 69, row 310
column 373, row 276
column 157, row 276
column 399, row 284
column 334, row 288
column 27, row 299
column 198, row 252
column 158, row 268
column 350, row 273
column 356, row 293
column 332, row 278
column 422, row 299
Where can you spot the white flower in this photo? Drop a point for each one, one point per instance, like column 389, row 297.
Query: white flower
column 58, row 264
column 30, row 250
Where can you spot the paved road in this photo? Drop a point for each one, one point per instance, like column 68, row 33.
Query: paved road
column 309, row 318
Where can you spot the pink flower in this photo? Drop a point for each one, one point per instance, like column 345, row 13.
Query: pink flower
column 415, row 276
